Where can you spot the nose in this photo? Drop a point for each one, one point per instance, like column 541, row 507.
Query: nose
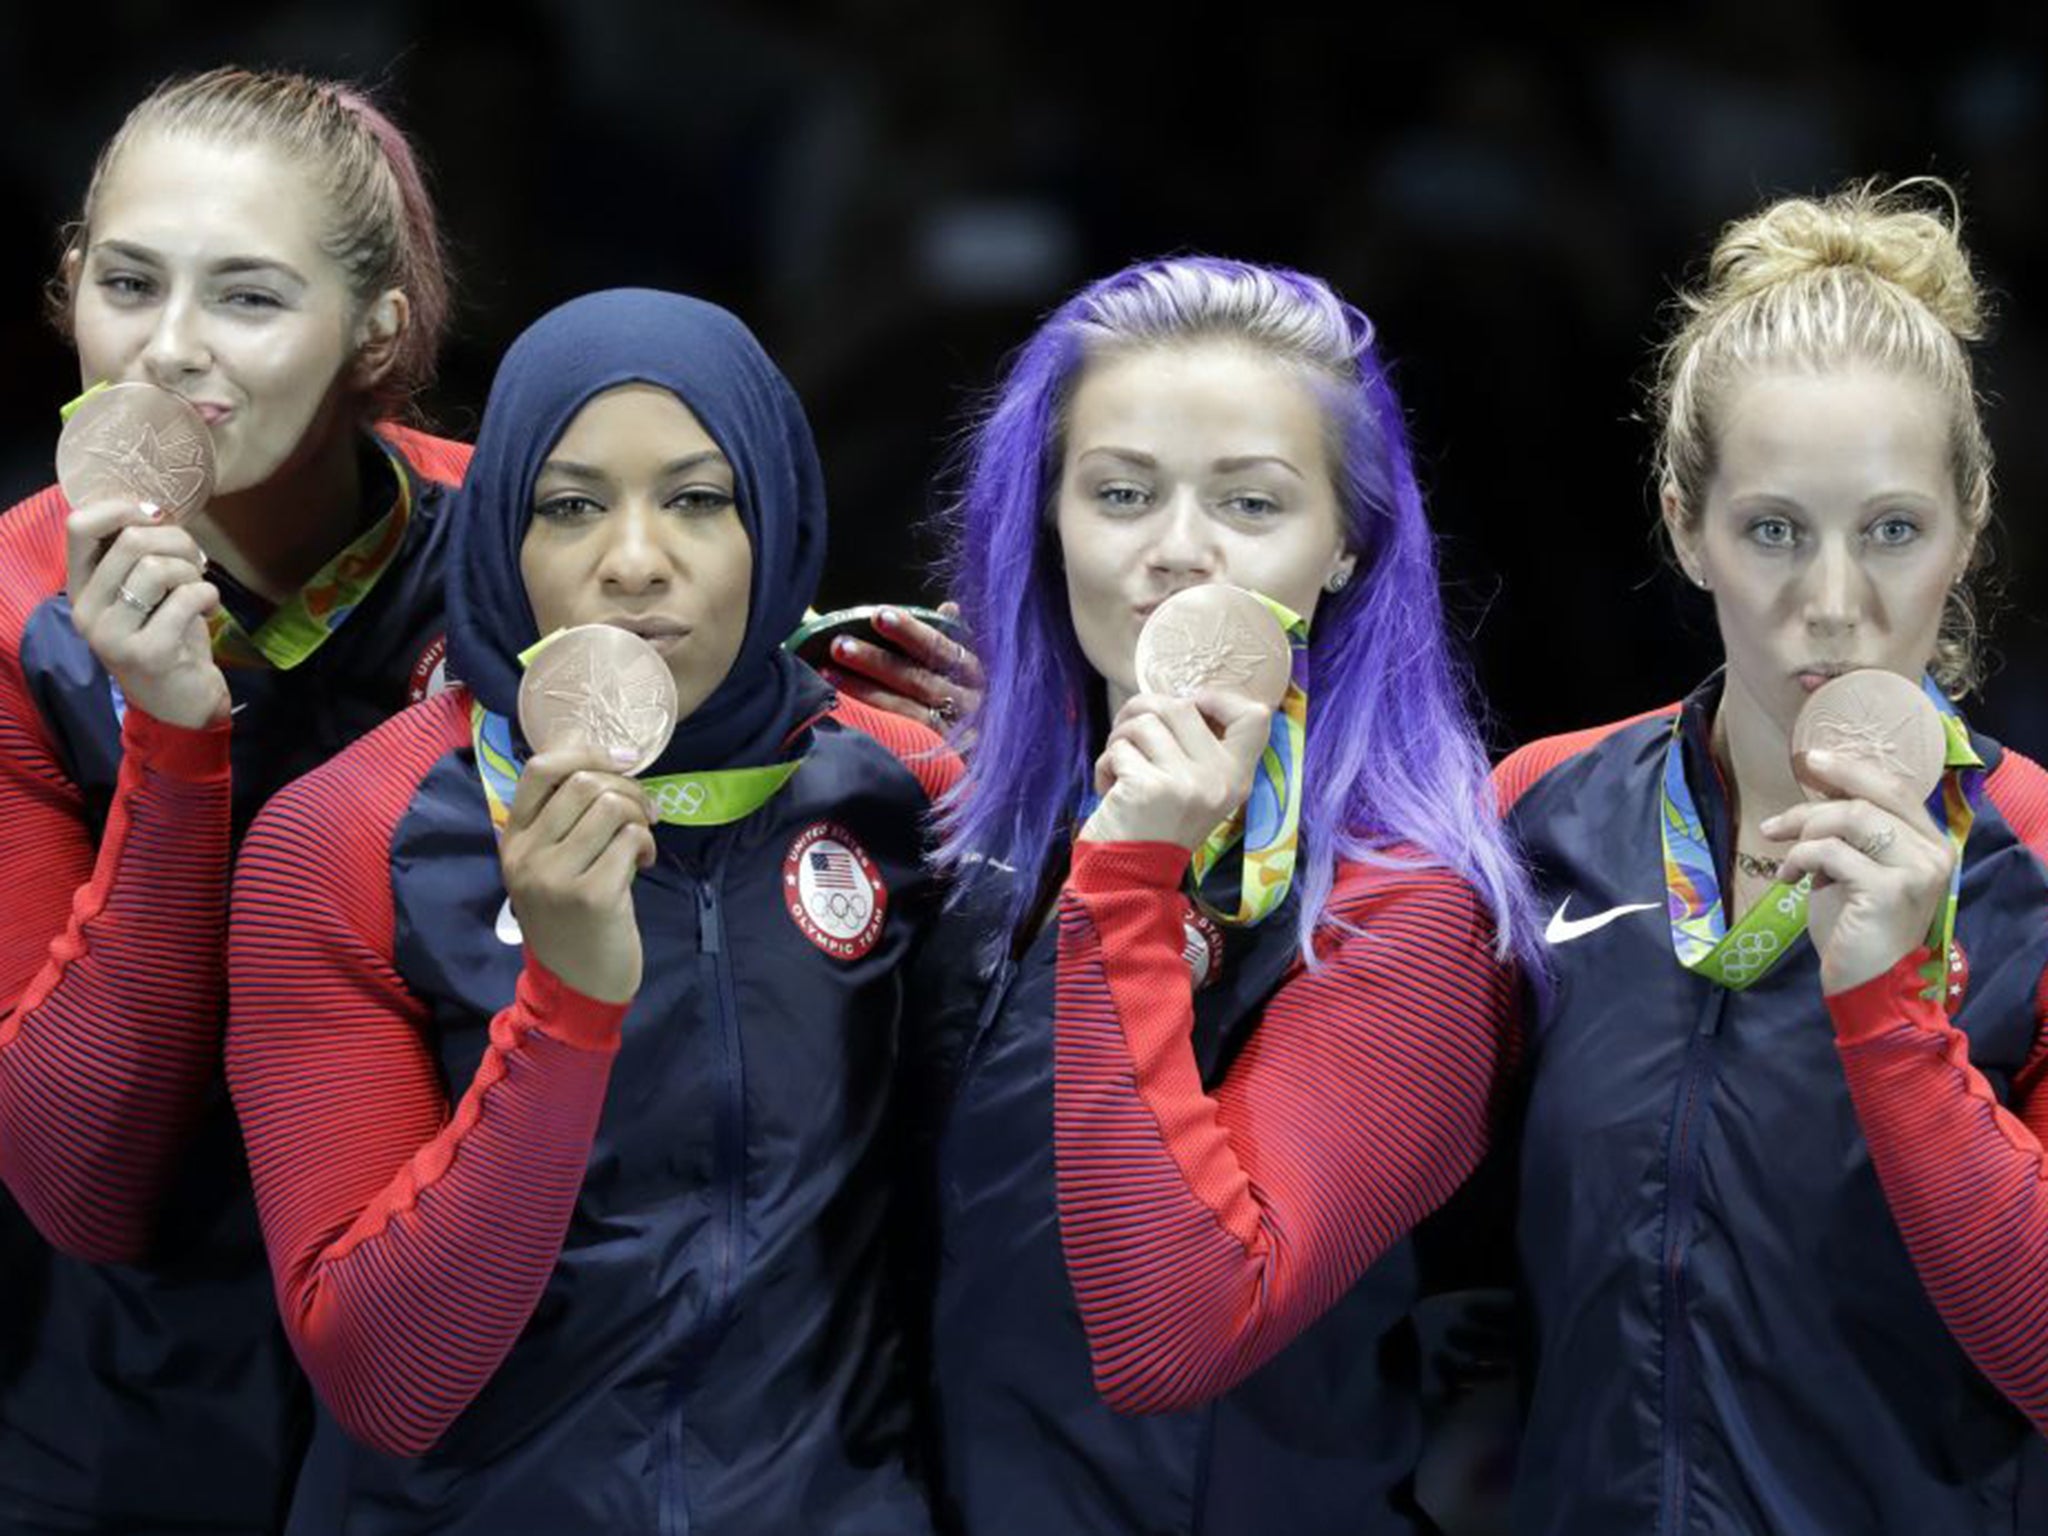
column 177, row 345
column 635, row 560
column 1834, row 589
column 1184, row 537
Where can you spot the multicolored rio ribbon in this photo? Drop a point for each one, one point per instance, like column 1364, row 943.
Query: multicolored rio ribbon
column 1738, row 957
column 1268, row 824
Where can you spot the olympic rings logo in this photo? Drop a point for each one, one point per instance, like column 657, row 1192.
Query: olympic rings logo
column 1750, row 954
column 680, row 799
column 848, row 907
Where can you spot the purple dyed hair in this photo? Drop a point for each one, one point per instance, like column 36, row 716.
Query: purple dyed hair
column 1393, row 755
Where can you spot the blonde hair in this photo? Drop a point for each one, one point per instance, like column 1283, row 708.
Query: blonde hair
column 1870, row 275
column 381, row 224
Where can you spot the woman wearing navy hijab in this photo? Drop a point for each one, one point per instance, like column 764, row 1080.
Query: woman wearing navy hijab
column 566, row 1110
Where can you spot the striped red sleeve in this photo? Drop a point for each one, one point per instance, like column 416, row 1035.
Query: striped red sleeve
column 409, row 1243
column 1966, row 1179
column 1204, row 1232
column 110, row 952
column 935, row 766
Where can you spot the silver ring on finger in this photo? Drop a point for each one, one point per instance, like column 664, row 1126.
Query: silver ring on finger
column 1877, row 842
column 140, row 605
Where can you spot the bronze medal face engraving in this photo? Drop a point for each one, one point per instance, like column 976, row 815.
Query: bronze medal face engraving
column 1879, row 718
column 135, row 442
column 1214, row 637
column 603, row 687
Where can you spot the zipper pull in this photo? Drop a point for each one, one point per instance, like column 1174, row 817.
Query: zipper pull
column 710, row 939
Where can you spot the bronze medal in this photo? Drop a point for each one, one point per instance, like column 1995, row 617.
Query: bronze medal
column 1215, row 636
column 599, row 686
column 135, row 442
column 1876, row 717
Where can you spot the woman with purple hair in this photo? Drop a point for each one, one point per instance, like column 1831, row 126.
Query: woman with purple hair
column 1196, row 1108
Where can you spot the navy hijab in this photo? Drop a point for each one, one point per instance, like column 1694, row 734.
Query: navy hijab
column 711, row 362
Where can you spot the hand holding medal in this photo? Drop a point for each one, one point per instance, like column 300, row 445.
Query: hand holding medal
column 1871, row 747
column 1212, row 664
column 597, row 704
column 133, row 461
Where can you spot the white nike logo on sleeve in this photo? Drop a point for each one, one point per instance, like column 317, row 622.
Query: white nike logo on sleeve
column 1562, row 929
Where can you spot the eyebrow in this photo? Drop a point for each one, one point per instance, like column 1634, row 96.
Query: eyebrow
column 1128, row 455
column 1229, row 466
column 1248, row 460
column 569, row 469
column 233, row 266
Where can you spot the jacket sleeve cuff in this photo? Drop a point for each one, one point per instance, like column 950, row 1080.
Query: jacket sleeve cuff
column 1103, row 869
column 1884, row 1002
column 174, row 750
column 560, row 1011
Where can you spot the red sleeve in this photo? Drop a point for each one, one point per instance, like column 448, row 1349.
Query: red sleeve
column 1204, row 1233
column 935, row 766
column 110, row 955
column 409, row 1245
column 1967, row 1181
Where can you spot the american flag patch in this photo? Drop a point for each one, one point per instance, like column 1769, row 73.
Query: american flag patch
column 833, row 891
column 833, row 868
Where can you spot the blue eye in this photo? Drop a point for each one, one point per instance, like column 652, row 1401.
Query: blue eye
column 1123, row 497
column 1773, row 532
column 1251, row 504
column 1891, row 532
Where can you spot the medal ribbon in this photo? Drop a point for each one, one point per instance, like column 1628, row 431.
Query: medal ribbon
column 1268, row 824
column 711, row 799
column 297, row 627
column 1740, row 956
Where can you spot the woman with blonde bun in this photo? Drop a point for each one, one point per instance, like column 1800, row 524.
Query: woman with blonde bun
column 1783, row 1193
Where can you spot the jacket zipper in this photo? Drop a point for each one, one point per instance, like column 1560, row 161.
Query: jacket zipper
column 1681, row 1184
column 727, row 1181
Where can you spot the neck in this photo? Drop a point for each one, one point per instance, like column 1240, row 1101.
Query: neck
column 273, row 537
column 1755, row 754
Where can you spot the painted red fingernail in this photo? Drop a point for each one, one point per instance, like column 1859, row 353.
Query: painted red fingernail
column 152, row 511
column 842, row 647
column 888, row 618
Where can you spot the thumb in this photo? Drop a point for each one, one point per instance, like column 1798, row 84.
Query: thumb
column 1241, row 723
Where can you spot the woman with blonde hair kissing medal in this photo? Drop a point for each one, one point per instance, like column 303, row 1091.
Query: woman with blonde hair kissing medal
column 1201, row 1082
column 260, row 247
column 1783, row 1197
column 572, row 1145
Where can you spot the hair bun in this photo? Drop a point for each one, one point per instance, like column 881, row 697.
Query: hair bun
column 1895, row 234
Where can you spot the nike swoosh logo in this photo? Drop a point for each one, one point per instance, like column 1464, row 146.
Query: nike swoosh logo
column 1562, row 929
column 507, row 928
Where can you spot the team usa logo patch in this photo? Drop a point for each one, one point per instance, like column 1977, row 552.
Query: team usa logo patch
column 833, row 891
column 1201, row 946
column 430, row 672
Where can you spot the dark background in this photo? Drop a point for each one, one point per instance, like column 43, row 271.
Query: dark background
column 892, row 191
